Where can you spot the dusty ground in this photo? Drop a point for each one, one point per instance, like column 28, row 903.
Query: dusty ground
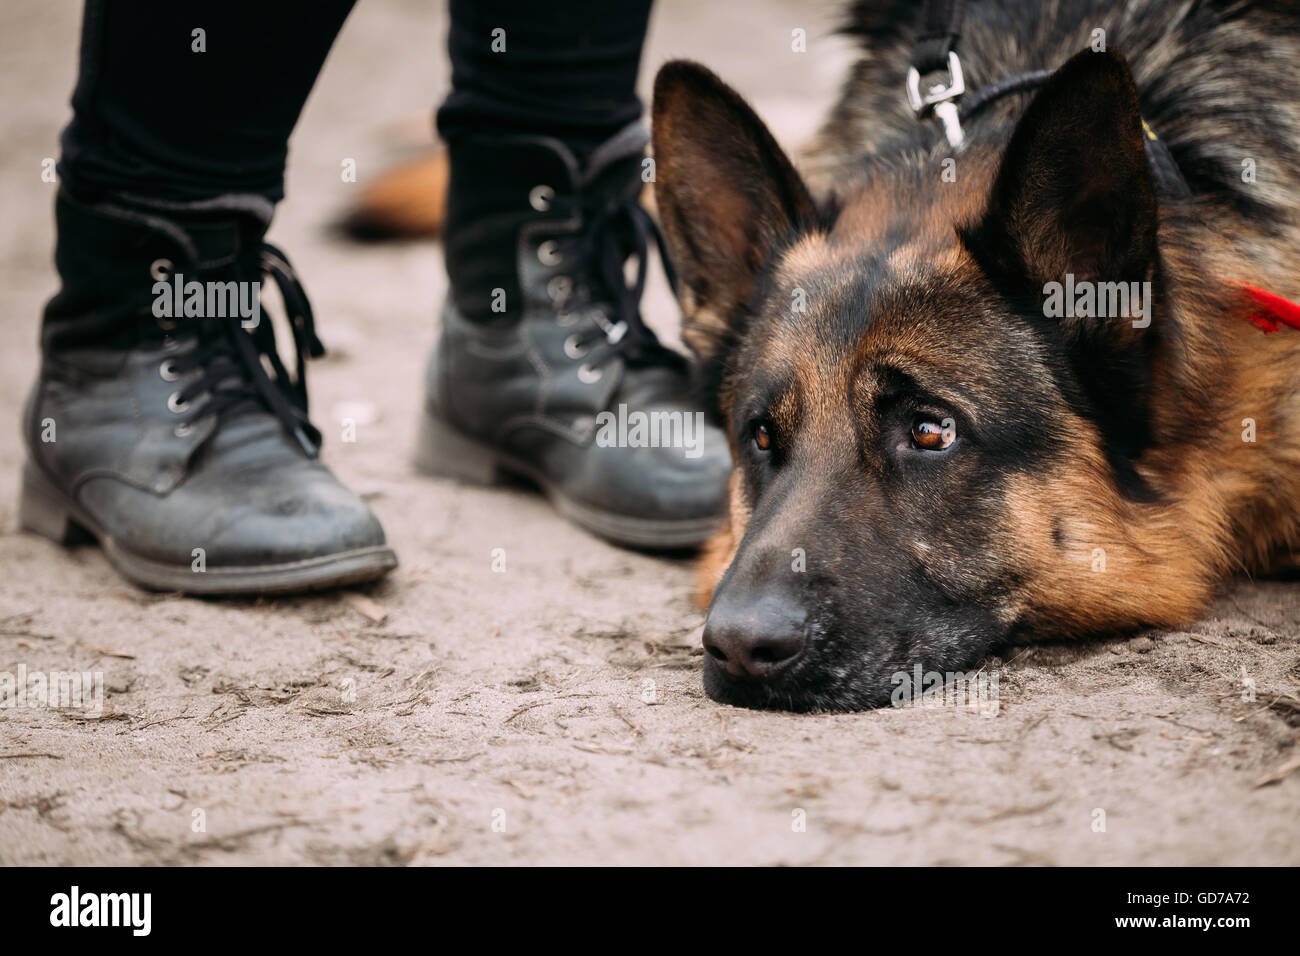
column 518, row 698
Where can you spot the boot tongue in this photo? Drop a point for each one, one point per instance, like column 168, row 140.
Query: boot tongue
column 232, row 367
column 215, row 246
column 622, row 230
column 614, row 168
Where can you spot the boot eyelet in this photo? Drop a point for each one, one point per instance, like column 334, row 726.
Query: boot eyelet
column 614, row 334
column 167, row 372
column 539, row 197
column 559, row 289
column 175, row 404
column 183, row 431
column 588, row 375
column 548, row 253
column 161, row 269
column 573, row 348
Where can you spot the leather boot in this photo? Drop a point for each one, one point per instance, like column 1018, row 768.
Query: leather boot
column 544, row 367
column 180, row 442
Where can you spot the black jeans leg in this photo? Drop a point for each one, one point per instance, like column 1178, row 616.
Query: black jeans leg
column 563, row 69
column 158, row 119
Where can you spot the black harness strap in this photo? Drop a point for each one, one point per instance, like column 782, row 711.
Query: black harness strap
column 1004, row 87
column 940, row 31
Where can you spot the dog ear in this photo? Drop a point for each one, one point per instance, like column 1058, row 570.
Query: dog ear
column 728, row 199
column 1074, row 196
column 1074, row 193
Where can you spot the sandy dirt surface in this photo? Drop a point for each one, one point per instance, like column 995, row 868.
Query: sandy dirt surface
column 552, row 713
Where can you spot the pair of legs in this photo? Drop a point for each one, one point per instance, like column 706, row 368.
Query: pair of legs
column 169, row 429
column 158, row 118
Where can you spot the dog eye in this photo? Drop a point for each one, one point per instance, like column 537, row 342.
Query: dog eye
column 933, row 434
column 762, row 438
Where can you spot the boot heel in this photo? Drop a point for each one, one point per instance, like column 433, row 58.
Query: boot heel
column 442, row 451
column 41, row 509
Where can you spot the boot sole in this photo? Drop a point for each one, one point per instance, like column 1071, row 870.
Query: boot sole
column 442, row 451
column 47, row 511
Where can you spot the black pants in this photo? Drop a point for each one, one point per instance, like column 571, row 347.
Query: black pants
column 157, row 119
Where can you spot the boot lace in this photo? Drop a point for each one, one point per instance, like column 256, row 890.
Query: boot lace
column 232, row 362
column 618, row 230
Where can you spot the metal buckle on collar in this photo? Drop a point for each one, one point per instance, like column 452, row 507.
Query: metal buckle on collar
column 941, row 100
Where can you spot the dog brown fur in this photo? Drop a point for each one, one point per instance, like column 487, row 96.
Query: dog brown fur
column 1122, row 491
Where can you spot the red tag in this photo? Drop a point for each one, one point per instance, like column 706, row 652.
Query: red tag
column 1270, row 311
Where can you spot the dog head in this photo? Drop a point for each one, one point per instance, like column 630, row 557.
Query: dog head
column 926, row 463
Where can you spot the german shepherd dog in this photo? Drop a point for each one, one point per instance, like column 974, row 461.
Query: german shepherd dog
column 930, row 460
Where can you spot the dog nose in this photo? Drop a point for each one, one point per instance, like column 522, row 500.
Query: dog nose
column 755, row 639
